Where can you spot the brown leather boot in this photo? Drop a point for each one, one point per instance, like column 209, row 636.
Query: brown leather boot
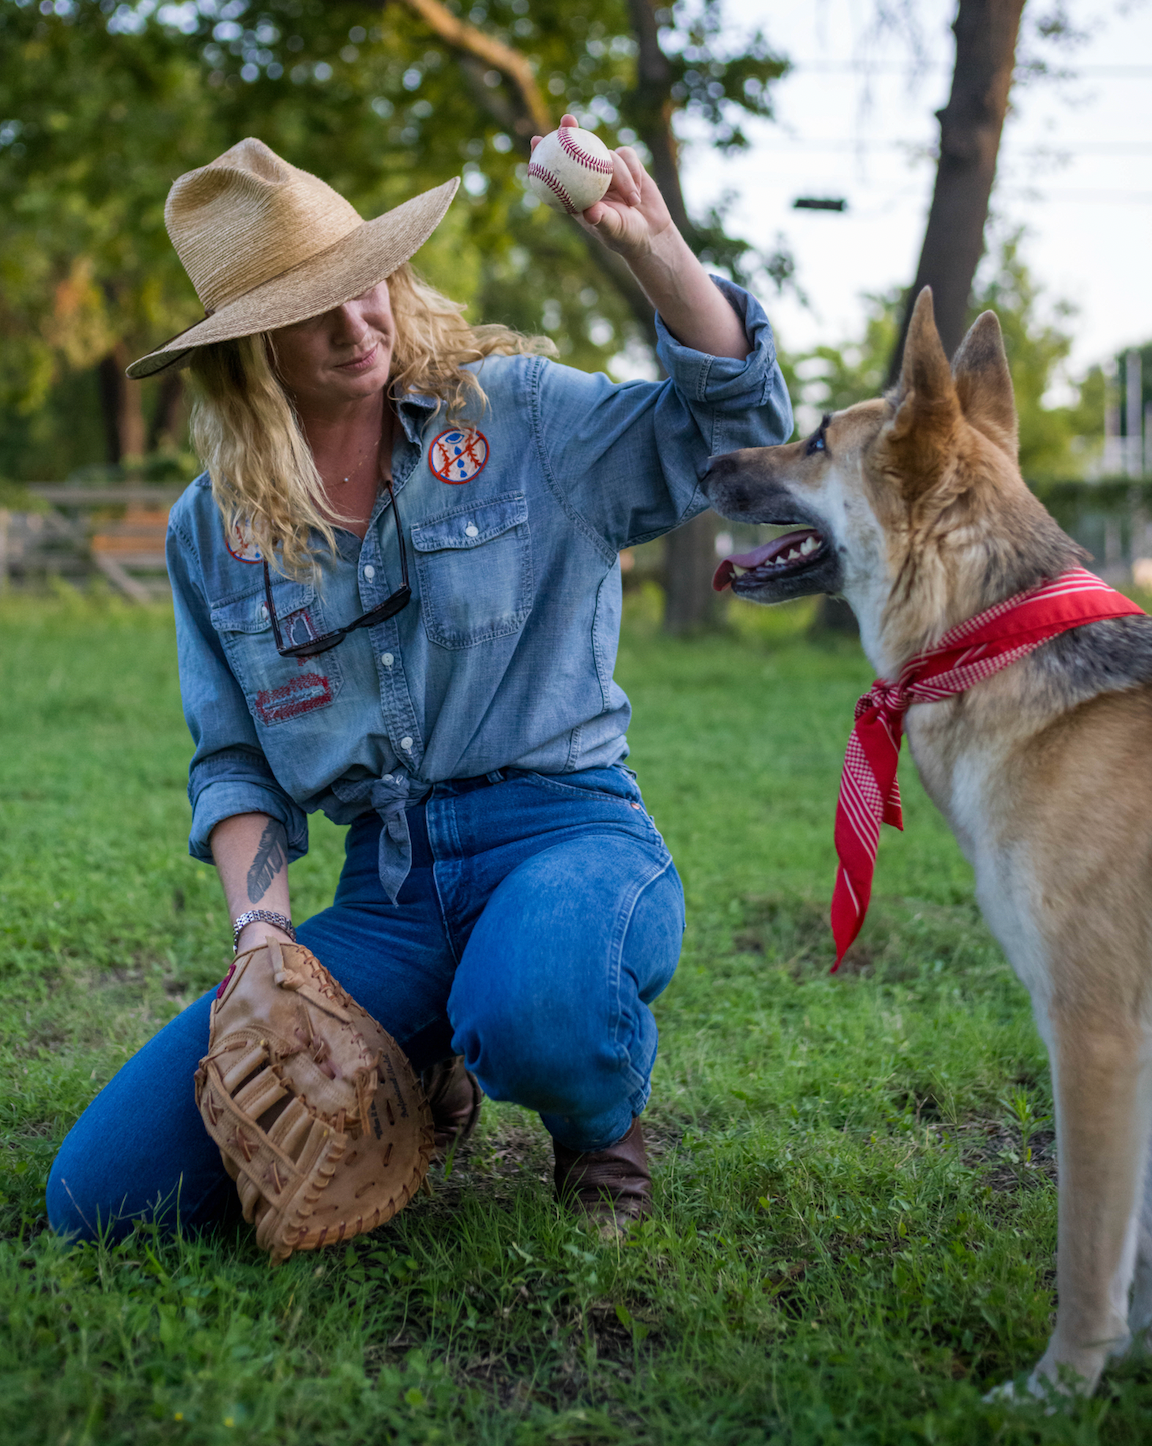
column 454, row 1097
column 612, row 1187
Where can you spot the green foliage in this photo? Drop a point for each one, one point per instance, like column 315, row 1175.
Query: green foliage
column 1037, row 340
column 835, row 377
column 1055, row 441
column 856, row 1208
column 104, row 105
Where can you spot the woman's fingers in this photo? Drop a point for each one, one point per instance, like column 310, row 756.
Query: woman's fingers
column 635, row 165
column 625, row 184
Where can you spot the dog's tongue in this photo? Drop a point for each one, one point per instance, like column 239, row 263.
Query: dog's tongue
column 725, row 573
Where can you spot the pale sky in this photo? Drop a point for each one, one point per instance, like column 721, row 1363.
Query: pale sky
column 1075, row 165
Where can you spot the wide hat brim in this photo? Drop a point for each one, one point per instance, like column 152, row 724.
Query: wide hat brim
column 361, row 260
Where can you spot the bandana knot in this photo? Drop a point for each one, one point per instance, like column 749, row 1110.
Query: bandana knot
column 966, row 654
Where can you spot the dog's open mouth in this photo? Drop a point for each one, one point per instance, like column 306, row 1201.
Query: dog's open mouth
column 785, row 556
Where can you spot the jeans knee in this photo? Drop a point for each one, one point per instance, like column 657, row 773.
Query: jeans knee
column 570, row 1066
column 550, row 1003
column 68, row 1213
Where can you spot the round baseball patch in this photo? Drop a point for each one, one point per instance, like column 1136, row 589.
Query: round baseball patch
column 458, row 455
column 242, row 545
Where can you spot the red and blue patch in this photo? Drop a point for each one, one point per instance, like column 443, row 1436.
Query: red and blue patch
column 299, row 695
column 241, row 544
column 458, row 455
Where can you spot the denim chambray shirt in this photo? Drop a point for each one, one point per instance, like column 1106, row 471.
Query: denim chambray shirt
column 504, row 656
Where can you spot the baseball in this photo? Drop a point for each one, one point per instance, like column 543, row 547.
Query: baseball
column 570, row 170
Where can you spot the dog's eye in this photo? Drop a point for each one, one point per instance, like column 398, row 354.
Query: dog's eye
column 817, row 443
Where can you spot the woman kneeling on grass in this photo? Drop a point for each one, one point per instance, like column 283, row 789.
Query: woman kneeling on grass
column 397, row 600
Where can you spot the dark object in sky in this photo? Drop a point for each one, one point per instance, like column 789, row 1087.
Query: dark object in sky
column 819, row 203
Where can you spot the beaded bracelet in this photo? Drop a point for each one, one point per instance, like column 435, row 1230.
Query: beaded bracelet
column 261, row 916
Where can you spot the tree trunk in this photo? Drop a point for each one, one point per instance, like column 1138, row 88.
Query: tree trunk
column 689, row 602
column 970, row 126
column 120, row 402
column 165, row 427
column 689, row 562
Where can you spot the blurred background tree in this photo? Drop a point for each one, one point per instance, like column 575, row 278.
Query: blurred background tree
column 1061, row 418
column 105, row 103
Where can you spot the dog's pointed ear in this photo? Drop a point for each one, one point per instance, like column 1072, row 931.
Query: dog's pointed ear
column 925, row 377
column 925, row 407
column 984, row 383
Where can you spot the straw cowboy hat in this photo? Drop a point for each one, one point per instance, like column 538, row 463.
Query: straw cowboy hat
column 267, row 245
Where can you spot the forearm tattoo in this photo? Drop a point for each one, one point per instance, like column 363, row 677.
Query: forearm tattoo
column 271, row 857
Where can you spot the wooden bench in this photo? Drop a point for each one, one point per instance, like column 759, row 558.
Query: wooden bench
column 135, row 541
column 67, row 540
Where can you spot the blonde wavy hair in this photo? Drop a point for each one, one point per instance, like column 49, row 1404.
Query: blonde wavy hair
column 247, row 433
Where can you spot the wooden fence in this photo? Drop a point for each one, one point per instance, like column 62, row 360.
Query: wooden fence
column 119, row 531
column 77, row 531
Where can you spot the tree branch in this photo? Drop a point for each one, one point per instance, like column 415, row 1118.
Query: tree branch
column 651, row 104
column 475, row 49
column 514, row 66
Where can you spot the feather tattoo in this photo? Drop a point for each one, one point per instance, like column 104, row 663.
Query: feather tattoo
column 271, row 857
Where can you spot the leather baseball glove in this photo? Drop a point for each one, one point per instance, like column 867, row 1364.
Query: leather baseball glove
column 318, row 1115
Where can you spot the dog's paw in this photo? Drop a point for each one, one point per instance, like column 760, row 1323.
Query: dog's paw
column 1005, row 1394
column 1039, row 1389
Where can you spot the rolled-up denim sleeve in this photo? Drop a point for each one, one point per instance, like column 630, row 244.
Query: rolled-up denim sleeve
column 628, row 457
column 229, row 773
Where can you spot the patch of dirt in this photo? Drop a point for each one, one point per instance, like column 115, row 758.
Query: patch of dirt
column 509, row 1157
column 998, row 1150
column 502, row 1161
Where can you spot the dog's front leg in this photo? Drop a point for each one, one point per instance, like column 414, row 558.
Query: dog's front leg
column 1103, row 1089
column 1140, row 1313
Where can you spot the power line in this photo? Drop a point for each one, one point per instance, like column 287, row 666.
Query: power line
column 1016, row 192
column 1125, row 198
column 1093, row 148
column 899, row 67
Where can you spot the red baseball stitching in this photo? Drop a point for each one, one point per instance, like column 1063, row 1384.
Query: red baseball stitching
column 554, row 184
column 578, row 153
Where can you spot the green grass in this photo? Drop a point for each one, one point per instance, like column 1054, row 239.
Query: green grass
column 855, row 1203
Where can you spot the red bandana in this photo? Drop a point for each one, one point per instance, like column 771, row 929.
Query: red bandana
column 993, row 639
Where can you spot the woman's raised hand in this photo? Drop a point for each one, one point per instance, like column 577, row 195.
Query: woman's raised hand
column 632, row 213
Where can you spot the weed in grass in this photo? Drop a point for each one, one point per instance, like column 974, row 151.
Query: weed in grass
column 855, row 1195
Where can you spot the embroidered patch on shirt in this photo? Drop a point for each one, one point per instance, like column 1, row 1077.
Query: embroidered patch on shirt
column 458, row 455
column 242, row 545
column 299, row 695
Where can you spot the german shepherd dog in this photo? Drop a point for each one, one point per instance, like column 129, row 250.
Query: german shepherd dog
column 913, row 509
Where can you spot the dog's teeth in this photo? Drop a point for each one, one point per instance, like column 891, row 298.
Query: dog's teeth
column 809, row 545
column 737, row 571
column 792, row 556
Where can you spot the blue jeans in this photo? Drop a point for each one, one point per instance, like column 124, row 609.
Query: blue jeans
column 541, row 917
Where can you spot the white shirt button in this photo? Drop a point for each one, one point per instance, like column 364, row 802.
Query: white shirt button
column 387, row 659
column 406, row 744
column 471, row 530
column 369, row 572
column 263, row 610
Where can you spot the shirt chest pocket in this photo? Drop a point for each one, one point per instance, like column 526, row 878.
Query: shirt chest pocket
column 278, row 690
column 474, row 566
